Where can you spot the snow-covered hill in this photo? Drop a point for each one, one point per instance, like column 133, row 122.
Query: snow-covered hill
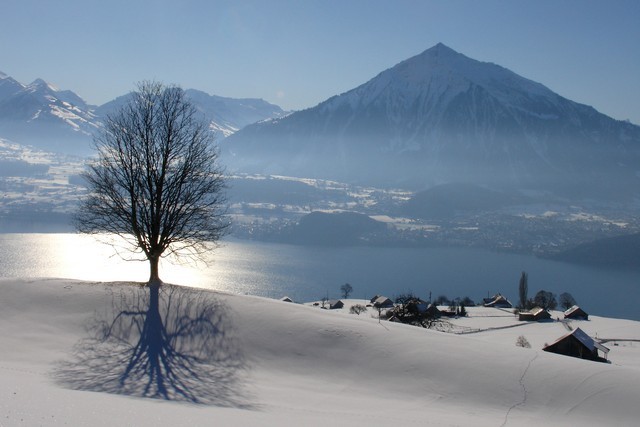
column 442, row 117
column 85, row 353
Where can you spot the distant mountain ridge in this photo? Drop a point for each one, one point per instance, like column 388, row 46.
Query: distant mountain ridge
column 41, row 115
column 442, row 117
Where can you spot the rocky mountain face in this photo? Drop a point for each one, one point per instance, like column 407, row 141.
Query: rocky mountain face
column 40, row 115
column 442, row 117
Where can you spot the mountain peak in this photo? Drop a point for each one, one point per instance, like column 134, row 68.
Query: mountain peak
column 41, row 84
column 3, row 75
column 441, row 48
column 440, row 117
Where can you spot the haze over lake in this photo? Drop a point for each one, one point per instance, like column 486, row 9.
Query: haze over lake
column 307, row 273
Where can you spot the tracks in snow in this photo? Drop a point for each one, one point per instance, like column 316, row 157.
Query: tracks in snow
column 524, row 392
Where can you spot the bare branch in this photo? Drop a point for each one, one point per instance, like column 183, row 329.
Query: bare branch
column 156, row 182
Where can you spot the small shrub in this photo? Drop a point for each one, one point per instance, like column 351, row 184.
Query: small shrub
column 357, row 309
column 522, row 342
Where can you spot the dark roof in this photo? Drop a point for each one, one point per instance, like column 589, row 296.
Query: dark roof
column 499, row 301
column 335, row 303
column 383, row 302
column 575, row 311
column 584, row 339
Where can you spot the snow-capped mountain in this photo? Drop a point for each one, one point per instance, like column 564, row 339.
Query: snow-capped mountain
column 42, row 115
column 225, row 115
column 38, row 114
column 443, row 117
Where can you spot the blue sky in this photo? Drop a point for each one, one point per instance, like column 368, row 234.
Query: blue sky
column 299, row 53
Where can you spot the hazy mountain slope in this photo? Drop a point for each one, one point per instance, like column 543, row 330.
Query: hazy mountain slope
column 39, row 114
column 448, row 200
column 442, row 117
column 332, row 229
column 614, row 252
column 225, row 115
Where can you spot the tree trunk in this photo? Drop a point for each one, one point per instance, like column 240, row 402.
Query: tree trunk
column 154, row 276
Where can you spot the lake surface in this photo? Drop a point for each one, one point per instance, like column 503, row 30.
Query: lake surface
column 310, row 273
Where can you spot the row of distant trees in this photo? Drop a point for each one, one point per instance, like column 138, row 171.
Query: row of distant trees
column 542, row 298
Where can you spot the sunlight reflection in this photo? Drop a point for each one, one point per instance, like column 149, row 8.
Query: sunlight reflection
column 307, row 273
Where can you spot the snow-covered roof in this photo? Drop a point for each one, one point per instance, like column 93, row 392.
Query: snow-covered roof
column 589, row 342
column 537, row 310
column 573, row 310
column 586, row 340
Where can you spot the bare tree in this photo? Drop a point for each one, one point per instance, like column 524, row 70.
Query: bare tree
column 546, row 300
column 346, row 290
column 567, row 300
column 156, row 182
column 523, row 342
column 357, row 309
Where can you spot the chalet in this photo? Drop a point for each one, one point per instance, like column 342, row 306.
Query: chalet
column 382, row 302
column 576, row 313
column 536, row 314
column 497, row 301
column 578, row 344
column 335, row 304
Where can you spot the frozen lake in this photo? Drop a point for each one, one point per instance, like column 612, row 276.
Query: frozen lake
column 309, row 273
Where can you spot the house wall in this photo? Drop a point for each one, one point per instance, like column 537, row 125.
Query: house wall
column 574, row 348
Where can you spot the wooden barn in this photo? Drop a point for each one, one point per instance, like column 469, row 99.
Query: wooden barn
column 335, row 304
column 576, row 313
column 579, row 344
column 497, row 301
column 382, row 302
column 536, row 314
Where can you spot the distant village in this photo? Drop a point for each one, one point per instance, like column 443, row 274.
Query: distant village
column 412, row 310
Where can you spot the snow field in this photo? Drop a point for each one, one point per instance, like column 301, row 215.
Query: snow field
column 301, row 365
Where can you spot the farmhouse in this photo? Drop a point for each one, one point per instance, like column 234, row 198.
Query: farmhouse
column 497, row 301
column 382, row 302
column 576, row 313
column 536, row 314
column 335, row 304
column 578, row 344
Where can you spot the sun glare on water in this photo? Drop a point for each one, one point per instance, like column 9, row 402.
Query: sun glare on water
column 83, row 257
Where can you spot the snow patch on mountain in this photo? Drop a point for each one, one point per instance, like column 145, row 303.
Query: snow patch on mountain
column 43, row 115
column 443, row 117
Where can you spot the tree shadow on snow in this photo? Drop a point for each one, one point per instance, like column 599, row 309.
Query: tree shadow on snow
column 164, row 342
